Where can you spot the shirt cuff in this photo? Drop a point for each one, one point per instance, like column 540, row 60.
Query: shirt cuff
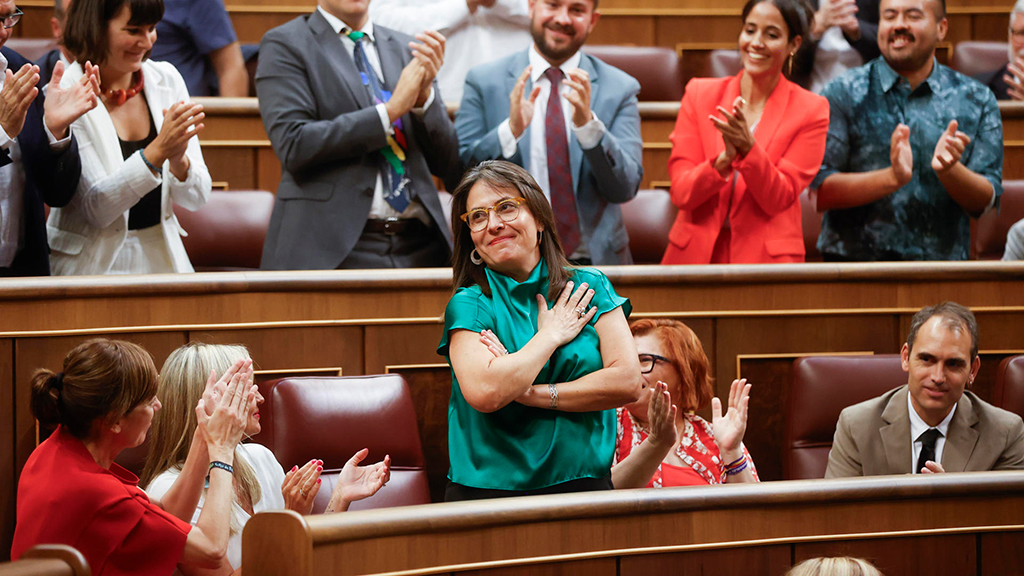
column 589, row 134
column 57, row 145
column 423, row 109
column 5, row 140
column 385, row 119
column 507, row 140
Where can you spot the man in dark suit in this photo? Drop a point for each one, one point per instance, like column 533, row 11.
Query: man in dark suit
column 931, row 424
column 359, row 126
column 583, row 146
column 38, row 155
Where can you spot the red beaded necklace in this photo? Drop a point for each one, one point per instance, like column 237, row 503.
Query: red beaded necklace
column 119, row 97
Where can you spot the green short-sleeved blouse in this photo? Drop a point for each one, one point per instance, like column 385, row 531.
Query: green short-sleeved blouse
column 518, row 447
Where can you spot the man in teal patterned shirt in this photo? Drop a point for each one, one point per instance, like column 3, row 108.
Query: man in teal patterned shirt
column 914, row 149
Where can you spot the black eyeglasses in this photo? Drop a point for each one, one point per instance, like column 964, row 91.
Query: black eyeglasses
column 11, row 20
column 647, row 362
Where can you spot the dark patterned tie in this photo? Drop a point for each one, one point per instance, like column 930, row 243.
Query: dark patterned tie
column 563, row 201
column 392, row 165
column 927, row 438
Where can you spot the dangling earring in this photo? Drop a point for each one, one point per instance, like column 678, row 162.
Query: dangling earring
column 789, row 66
column 475, row 258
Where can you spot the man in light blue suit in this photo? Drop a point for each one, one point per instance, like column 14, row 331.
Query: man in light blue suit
column 583, row 147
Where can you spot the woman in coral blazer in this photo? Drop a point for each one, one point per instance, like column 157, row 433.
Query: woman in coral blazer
column 745, row 147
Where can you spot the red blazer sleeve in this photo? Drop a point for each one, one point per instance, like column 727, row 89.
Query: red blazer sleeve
column 776, row 186
column 694, row 178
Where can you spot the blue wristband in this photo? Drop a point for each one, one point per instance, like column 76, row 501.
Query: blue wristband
column 222, row 466
column 159, row 171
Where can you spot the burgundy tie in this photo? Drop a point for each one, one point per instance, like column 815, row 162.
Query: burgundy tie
column 563, row 201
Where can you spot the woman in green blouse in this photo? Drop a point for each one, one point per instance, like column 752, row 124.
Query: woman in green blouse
column 540, row 418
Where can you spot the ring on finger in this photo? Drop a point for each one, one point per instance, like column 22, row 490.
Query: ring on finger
column 581, row 311
column 302, row 493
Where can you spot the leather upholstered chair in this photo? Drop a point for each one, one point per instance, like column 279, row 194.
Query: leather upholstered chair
column 227, row 233
column 811, row 226
column 988, row 233
column 333, row 418
column 657, row 69
column 31, row 48
column 648, row 218
column 1009, row 390
column 820, row 388
column 976, row 57
column 724, row 63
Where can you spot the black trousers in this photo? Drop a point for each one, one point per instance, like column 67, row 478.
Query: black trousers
column 457, row 492
column 418, row 246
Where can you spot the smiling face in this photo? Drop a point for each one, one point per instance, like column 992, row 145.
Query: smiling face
column 7, row 7
column 134, row 425
column 908, row 32
column 511, row 248
column 128, row 45
column 1016, row 36
column 764, row 41
column 940, row 367
column 252, row 424
column 560, row 27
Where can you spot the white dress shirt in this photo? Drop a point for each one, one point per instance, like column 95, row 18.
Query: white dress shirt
column 379, row 208
column 471, row 39
column 918, row 427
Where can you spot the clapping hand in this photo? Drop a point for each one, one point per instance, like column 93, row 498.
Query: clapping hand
column 520, row 107
column 568, row 316
column 730, row 427
column 578, row 95
column 841, row 13
column 430, row 52
column 900, row 155
column 301, row 486
column 1015, row 79
column 408, row 89
column 16, row 96
column 182, row 121
column 661, row 416
column 64, row 105
column 223, row 428
column 734, row 127
column 949, row 148
column 358, row 482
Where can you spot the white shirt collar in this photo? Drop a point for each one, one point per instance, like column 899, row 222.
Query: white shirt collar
column 540, row 65
column 918, row 426
column 338, row 25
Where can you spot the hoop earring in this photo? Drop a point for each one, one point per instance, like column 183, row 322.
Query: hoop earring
column 475, row 257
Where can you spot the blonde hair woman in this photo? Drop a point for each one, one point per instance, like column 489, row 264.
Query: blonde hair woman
column 843, row 566
column 260, row 482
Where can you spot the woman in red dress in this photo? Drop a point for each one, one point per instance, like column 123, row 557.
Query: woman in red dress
column 72, row 492
column 660, row 441
column 745, row 147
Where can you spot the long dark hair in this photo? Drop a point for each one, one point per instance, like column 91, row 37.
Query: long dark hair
column 85, row 34
column 502, row 175
column 796, row 13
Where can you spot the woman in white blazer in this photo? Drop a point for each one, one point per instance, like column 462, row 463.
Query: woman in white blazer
column 139, row 152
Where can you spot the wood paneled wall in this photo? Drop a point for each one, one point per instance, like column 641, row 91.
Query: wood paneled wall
column 753, row 320
column 956, row 525
column 238, row 152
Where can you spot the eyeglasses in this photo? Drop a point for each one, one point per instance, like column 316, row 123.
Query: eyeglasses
column 647, row 362
column 507, row 210
column 11, row 20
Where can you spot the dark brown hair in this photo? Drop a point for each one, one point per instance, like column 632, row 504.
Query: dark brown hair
column 100, row 379
column 501, row 175
column 796, row 13
column 85, row 33
column 687, row 356
column 955, row 317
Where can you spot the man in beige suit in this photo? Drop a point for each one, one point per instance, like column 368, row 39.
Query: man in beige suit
column 930, row 424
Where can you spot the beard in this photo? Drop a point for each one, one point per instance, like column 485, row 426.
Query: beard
column 556, row 53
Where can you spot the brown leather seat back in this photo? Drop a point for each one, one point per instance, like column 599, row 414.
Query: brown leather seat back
column 811, row 225
column 227, row 233
column 976, row 57
column 333, row 418
column 724, row 63
column 648, row 218
column 820, row 388
column 31, row 48
column 657, row 69
column 1009, row 391
column 988, row 238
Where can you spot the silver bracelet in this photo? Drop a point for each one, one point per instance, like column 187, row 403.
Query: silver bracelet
column 553, row 392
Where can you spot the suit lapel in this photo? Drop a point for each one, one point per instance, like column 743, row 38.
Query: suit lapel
column 390, row 57
column 338, row 57
column 575, row 151
column 962, row 437
column 515, row 68
column 896, row 434
column 774, row 111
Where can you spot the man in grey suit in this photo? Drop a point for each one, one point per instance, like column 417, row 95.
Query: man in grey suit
column 359, row 126
column 583, row 146
column 930, row 424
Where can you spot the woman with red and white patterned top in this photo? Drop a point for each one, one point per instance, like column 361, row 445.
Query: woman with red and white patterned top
column 660, row 441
